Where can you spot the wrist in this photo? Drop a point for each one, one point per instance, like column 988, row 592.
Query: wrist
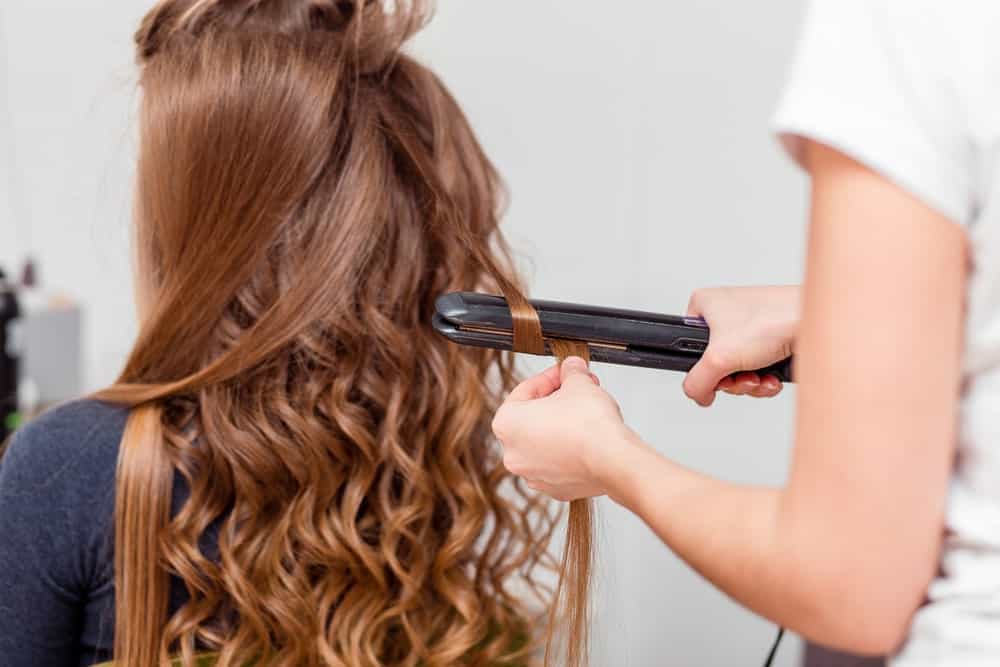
column 784, row 318
column 619, row 470
column 792, row 312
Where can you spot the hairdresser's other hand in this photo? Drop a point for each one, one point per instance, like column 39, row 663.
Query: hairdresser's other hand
column 752, row 327
column 559, row 428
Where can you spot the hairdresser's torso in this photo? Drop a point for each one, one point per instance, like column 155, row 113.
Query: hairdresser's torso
column 911, row 89
column 965, row 599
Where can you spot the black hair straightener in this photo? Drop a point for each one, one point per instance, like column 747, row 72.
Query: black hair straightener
column 615, row 336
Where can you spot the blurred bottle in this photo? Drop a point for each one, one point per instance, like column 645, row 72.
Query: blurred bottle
column 10, row 313
column 30, row 295
column 29, row 274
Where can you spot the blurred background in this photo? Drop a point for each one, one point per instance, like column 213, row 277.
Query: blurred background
column 635, row 143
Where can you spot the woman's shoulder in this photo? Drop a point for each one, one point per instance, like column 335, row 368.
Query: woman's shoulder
column 72, row 445
column 57, row 490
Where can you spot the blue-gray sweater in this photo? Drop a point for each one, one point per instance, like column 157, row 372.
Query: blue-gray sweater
column 57, row 488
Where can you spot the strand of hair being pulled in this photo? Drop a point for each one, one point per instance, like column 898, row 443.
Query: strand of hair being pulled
column 571, row 602
column 569, row 610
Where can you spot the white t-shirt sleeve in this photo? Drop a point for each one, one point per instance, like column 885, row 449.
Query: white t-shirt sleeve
column 873, row 79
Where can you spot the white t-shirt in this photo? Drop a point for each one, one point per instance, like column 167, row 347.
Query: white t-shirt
column 911, row 88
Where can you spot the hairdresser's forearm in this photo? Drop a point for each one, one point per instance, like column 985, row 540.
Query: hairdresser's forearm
column 725, row 531
column 738, row 537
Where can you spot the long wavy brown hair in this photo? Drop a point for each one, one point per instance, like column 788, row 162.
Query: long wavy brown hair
column 305, row 191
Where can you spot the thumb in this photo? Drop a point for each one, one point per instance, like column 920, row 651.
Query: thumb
column 574, row 367
column 702, row 380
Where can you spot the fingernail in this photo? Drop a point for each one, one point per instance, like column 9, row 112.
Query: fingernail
column 575, row 363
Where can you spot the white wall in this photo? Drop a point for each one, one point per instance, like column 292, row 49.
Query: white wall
column 70, row 93
column 634, row 139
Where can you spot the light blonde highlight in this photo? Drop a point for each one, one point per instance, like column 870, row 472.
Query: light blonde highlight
column 143, row 486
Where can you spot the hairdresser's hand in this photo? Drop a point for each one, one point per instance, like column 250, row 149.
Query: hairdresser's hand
column 559, row 431
column 752, row 327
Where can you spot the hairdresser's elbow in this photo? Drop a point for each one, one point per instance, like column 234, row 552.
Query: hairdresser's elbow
column 878, row 630
column 866, row 613
column 861, row 626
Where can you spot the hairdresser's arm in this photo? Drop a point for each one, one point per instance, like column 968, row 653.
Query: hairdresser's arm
column 843, row 555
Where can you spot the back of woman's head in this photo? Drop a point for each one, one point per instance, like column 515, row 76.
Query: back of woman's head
column 305, row 191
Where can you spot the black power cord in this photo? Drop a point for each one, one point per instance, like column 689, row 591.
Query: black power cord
column 774, row 647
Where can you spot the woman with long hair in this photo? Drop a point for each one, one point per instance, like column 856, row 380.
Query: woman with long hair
column 292, row 469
